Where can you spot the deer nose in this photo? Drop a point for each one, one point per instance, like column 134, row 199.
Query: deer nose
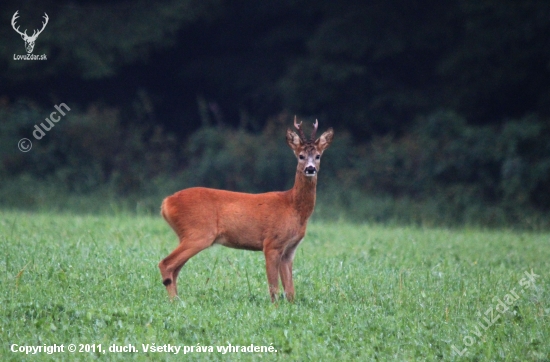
column 310, row 171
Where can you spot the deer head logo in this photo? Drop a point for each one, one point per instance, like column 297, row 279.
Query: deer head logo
column 29, row 40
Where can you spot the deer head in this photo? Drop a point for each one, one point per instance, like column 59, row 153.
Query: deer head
column 308, row 151
column 29, row 40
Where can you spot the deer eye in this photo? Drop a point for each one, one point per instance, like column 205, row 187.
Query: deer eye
column 318, row 157
column 302, row 157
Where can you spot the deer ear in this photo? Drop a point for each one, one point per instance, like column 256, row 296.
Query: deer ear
column 325, row 140
column 292, row 139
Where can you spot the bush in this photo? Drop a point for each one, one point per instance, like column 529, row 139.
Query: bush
column 85, row 150
column 442, row 172
column 445, row 157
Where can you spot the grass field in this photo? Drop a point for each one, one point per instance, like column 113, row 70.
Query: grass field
column 364, row 292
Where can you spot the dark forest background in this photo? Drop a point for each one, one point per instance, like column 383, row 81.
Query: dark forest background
column 440, row 108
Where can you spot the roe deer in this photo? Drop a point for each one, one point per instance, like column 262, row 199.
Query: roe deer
column 273, row 222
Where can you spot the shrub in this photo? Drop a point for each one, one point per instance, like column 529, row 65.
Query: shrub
column 443, row 171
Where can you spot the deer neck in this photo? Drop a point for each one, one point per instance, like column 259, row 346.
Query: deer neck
column 303, row 195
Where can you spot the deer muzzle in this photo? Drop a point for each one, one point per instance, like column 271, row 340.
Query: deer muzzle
column 310, row 171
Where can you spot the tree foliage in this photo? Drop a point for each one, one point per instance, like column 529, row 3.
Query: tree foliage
column 211, row 77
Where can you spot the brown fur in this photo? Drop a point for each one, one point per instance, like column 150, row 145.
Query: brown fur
column 273, row 222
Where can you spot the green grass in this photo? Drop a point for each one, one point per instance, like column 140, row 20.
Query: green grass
column 364, row 292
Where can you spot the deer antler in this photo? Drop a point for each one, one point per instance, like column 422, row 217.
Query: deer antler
column 314, row 130
column 13, row 19
column 43, row 26
column 298, row 126
column 35, row 33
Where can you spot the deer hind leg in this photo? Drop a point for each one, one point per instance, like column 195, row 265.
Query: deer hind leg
column 285, row 271
column 172, row 264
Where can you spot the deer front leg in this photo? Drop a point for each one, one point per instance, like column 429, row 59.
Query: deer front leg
column 285, row 270
column 272, row 262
